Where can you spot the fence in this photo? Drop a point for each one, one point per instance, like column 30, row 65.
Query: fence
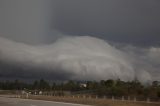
column 88, row 96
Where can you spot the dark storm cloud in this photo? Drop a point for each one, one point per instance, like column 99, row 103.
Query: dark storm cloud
column 10, row 70
column 125, row 21
column 130, row 21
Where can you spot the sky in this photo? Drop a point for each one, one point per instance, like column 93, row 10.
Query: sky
column 80, row 39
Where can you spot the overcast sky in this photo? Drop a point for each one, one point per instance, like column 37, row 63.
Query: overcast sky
column 77, row 37
column 129, row 21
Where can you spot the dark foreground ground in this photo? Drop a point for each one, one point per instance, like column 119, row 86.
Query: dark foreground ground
column 41, row 100
column 4, row 101
column 93, row 101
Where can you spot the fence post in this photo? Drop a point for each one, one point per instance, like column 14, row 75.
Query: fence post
column 27, row 95
column 84, row 96
column 122, row 98
column 148, row 100
column 96, row 97
column 135, row 99
column 113, row 98
column 129, row 98
column 104, row 97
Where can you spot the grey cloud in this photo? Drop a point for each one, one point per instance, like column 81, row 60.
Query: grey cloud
column 27, row 21
column 144, row 59
column 154, row 55
column 78, row 58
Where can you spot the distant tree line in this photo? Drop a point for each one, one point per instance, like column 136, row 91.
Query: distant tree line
column 101, row 88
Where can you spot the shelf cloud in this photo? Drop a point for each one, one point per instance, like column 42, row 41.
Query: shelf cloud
column 79, row 58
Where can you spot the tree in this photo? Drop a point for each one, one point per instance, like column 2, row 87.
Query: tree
column 35, row 85
column 44, row 85
column 109, row 83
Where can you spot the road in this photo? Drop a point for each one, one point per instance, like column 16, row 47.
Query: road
column 4, row 101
